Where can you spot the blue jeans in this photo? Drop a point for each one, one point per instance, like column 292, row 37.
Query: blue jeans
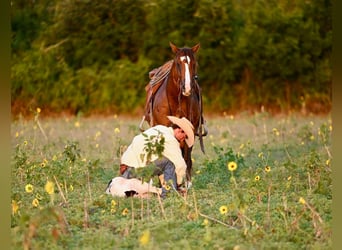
column 166, row 167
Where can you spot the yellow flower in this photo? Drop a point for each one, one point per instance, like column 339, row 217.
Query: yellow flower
column 275, row 131
column 71, row 187
column 25, row 143
column 232, row 166
column 257, row 178
column 38, row 110
column 125, row 212
column 35, row 202
column 223, row 209
column 267, row 168
column 145, row 238
column 327, row 162
column 42, row 164
column 77, row 124
column 29, row 188
column 116, row 131
column 16, row 134
column 98, row 134
column 167, row 187
column 261, row 154
column 289, row 178
column 302, row 201
column 15, row 207
column 113, row 203
column 205, row 222
column 49, row 187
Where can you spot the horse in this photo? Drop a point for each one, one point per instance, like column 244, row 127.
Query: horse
column 174, row 90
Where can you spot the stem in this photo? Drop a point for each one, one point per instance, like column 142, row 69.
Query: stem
column 161, row 206
column 268, row 205
column 218, row 221
column 132, row 218
column 60, row 190
column 40, row 127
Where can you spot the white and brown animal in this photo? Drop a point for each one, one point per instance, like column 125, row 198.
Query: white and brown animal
column 120, row 186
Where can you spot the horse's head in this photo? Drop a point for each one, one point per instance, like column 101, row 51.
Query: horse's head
column 186, row 66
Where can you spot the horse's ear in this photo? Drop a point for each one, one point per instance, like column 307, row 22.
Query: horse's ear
column 195, row 48
column 174, row 48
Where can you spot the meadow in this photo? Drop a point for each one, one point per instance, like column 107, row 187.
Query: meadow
column 264, row 183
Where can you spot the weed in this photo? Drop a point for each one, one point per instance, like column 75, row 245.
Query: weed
column 263, row 184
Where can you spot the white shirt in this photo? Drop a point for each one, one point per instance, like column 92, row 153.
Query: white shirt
column 136, row 157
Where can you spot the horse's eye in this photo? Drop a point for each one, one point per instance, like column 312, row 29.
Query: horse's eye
column 196, row 77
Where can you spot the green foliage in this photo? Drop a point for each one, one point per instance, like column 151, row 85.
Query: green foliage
column 217, row 168
column 278, row 196
column 154, row 145
column 71, row 152
column 94, row 56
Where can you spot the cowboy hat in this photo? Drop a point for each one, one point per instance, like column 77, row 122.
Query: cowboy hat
column 187, row 127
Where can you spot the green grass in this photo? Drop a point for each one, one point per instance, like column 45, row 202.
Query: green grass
column 288, row 207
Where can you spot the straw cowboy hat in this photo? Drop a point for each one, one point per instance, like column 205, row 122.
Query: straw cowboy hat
column 187, row 127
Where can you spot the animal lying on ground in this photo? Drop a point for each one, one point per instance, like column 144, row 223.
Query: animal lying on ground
column 120, row 186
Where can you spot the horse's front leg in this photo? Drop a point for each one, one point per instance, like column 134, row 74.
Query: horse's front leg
column 188, row 161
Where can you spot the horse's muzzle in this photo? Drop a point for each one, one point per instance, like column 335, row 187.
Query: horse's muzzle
column 186, row 93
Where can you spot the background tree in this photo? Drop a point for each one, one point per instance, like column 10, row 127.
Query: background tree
column 94, row 56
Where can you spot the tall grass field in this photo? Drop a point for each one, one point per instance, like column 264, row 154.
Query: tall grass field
column 265, row 182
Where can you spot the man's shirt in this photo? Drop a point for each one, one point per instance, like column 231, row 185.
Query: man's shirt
column 136, row 156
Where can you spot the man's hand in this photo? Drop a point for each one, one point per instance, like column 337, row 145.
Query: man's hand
column 123, row 168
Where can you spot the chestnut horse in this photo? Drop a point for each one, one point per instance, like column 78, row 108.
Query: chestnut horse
column 174, row 90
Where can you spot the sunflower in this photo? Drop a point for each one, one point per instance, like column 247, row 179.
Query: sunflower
column 223, row 209
column 145, row 238
column 302, row 201
column 257, row 178
column 167, row 187
column 232, row 166
column 29, row 188
column 49, row 187
column 35, row 202
column 125, row 211
column 267, row 169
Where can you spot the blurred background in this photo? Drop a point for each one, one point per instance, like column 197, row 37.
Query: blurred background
column 93, row 56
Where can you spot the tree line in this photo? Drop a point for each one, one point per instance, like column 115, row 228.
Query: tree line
column 93, row 56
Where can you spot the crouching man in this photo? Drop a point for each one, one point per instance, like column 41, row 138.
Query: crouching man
column 160, row 145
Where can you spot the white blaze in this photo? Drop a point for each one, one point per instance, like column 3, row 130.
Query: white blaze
column 186, row 61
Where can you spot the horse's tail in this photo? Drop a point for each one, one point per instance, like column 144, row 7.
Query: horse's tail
column 202, row 131
column 202, row 128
